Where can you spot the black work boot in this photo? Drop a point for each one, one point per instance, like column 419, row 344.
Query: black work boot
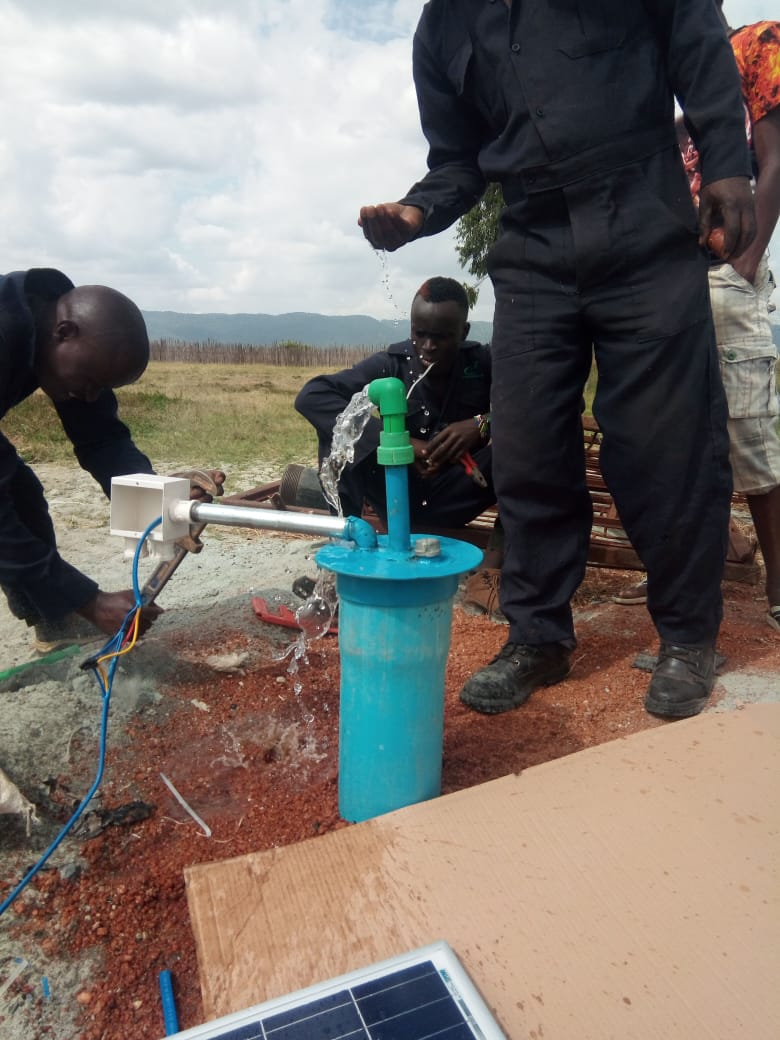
column 513, row 675
column 682, row 681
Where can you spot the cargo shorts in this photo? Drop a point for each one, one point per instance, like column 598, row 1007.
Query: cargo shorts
column 748, row 367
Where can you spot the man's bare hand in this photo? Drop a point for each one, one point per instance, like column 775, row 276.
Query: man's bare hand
column 727, row 205
column 205, row 484
column 453, row 441
column 389, row 225
column 108, row 610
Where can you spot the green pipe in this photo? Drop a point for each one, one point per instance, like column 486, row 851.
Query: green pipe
column 395, row 448
column 55, row 655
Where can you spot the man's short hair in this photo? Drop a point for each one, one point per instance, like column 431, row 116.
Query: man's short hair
column 444, row 290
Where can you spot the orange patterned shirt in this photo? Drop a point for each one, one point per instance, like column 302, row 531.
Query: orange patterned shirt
column 757, row 51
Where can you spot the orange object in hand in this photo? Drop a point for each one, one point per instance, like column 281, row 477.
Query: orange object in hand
column 472, row 469
column 716, row 242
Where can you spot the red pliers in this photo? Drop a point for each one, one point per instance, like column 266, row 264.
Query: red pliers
column 472, row 469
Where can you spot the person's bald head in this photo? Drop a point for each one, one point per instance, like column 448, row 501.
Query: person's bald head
column 97, row 339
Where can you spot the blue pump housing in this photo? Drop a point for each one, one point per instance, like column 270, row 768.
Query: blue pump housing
column 395, row 620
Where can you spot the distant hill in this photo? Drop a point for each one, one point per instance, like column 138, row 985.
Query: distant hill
column 315, row 330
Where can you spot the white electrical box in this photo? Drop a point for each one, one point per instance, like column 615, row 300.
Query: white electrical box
column 137, row 500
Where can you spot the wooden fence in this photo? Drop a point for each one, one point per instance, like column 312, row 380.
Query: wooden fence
column 285, row 354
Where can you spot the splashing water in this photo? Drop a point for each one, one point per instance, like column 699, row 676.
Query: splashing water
column 381, row 256
column 419, row 379
column 315, row 616
column 347, row 431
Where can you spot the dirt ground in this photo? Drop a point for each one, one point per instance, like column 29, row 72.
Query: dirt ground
column 209, row 701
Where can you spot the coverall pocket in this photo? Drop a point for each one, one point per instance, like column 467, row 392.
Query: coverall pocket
column 601, row 28
column 668, row 197
column 463, row 73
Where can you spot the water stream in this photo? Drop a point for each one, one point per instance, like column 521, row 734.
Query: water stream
column 316, row 614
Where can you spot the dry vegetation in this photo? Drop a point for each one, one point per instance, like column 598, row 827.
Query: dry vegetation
column 219, row 412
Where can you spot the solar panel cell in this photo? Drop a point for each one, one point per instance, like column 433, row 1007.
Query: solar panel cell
column 413, row 1002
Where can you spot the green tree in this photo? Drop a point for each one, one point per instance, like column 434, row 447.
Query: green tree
column 475, row 234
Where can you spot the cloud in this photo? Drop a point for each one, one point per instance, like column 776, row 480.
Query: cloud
column 208, row 156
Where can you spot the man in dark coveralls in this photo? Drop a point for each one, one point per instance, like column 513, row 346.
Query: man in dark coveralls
column 75, row 344
column 570, row 107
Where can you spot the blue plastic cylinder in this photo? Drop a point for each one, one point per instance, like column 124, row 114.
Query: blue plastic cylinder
column 395, row 618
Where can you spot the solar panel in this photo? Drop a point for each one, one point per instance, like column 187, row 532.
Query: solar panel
column 421, row 995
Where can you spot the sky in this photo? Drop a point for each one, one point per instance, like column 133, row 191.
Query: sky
column 212, row 155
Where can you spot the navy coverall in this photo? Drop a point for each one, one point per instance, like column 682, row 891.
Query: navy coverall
column 450, row 498
column 37, row 582
column 570, row 106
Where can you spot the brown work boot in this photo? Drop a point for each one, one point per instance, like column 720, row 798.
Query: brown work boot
column 632, row 595
column 481, row 594
column 71, row 630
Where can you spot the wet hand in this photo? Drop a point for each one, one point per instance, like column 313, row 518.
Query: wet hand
column 389, row 225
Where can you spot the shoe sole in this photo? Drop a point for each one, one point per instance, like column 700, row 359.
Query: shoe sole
column 635, row 601
column 492, row 706
column 42, row 646
column 683, row 710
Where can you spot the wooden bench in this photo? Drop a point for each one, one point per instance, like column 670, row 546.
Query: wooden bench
column 609, row 543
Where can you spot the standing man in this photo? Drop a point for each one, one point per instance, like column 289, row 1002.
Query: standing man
column 740, row 291
column 76, row 344
column 570, row 107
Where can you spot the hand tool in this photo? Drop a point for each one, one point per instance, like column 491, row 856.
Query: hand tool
column 472, row 469
column 190, row 543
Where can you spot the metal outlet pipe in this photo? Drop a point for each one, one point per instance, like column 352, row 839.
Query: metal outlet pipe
column 350, row 528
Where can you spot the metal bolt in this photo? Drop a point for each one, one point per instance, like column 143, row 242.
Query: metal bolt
column 427, row 547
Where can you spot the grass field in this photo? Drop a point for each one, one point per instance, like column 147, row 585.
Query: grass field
column 208, row 415
column 204, row 415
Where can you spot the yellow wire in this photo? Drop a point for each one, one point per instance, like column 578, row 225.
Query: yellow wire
column 124, row 650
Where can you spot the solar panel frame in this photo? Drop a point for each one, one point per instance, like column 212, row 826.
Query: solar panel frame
column 424, row 994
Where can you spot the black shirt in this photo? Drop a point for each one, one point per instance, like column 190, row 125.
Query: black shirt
column 544, row 94
column 468, row 393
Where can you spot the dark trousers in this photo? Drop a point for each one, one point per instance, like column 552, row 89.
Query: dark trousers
column 612, row 270
column 23, row 500
column 450, row 498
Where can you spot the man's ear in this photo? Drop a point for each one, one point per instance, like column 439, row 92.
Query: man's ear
column 466, row 329
column 65, row 330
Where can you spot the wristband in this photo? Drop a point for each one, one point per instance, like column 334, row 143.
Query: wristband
column 483, row 425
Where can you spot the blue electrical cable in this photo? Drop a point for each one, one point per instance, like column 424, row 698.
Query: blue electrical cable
column 113, row 646
column 170, row 1017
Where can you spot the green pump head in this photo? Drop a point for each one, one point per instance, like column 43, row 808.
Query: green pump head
column 395, row 449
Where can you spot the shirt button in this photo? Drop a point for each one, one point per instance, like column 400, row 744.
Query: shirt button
column 731, row 354
column 540, row 112
column 515, row 47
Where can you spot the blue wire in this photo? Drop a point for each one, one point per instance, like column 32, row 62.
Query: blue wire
column 170, row 1017
column 114, row 645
